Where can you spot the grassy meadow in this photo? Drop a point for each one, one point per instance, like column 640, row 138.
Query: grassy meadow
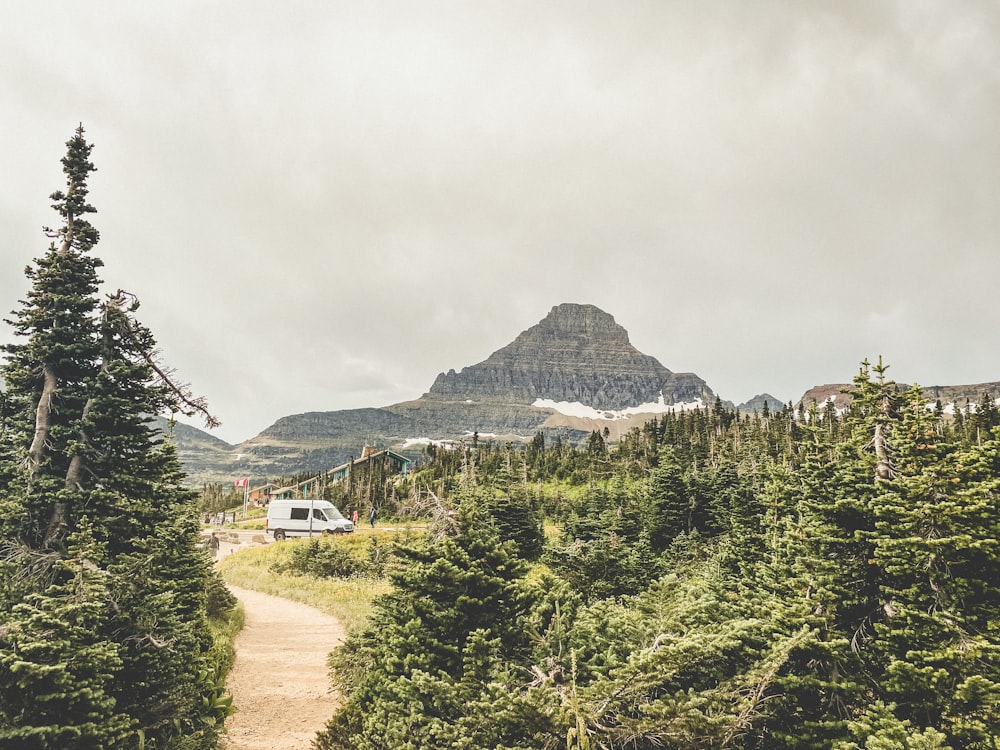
column 347, row 599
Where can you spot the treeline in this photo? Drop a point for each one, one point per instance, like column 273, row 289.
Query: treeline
column 368, row 484
column 105, row 594
column 696, row 439
column 799, row 579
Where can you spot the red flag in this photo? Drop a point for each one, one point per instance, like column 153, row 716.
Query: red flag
column 241, row 482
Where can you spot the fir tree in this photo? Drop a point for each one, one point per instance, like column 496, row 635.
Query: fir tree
column 936, row 530
column 829, row 581
column 46, row 375
column 669, row 509
column 56, row 670
column 79, row 455
column 437, row 645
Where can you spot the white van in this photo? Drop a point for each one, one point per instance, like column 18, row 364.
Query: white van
column 287, row 518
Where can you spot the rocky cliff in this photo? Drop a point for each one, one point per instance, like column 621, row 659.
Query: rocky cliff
column 576, row 354
column 757, row 403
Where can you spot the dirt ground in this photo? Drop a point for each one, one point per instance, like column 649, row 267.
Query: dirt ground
column 279, row 681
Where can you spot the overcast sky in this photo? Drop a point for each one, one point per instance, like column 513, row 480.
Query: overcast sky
column 324, row 204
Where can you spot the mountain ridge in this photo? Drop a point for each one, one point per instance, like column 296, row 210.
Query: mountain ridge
column 572, row 373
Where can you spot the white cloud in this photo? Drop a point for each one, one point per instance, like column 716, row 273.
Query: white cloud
column 324, row 204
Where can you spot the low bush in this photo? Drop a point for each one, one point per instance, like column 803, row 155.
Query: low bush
column 327, row 557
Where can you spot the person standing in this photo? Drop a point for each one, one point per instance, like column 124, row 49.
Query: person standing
column 371, row 517
column 354, row 517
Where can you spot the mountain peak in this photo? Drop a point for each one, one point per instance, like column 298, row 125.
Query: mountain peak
column 573, row 372
column 576, row 354
column 757, row 403
column 573, row 330
column 571, row 321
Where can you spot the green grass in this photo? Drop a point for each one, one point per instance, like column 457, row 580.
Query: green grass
column 224, row 629
column 349, row 600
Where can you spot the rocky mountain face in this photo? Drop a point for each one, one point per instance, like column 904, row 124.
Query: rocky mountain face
column 573, row 372
column 203, row 455
column 576, row 354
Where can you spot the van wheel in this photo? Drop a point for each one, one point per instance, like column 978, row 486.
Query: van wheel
column 279, row 535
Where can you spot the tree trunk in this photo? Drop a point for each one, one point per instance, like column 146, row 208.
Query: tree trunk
column 883, row 467
column 43, row 416
column 43, row 420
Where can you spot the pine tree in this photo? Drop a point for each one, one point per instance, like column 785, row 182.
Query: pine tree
column 79, row 453
column 829, row 578
column 46, row 375
column 56, row 670
column 936, row 530
column 437, row 644
column 669, row 511
column 515, row 514
column 896, row 563
column 605, row 549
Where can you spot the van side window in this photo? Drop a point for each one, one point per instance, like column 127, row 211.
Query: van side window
column 300, row 514
column 317, row 513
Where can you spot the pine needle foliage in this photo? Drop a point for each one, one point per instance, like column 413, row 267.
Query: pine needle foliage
column 103, row 637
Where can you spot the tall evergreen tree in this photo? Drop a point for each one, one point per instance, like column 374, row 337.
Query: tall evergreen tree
column 936, row 545
column 895, row 566
column 46, row 375
column 81, row 462
column 669, row 510
column 827, row 573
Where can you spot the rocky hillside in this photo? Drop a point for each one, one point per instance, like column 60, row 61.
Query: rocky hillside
column 572, row 373
column 203, row 455
column 950, row 396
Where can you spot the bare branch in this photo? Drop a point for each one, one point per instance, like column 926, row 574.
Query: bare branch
column 442, row 515
column 187, row 403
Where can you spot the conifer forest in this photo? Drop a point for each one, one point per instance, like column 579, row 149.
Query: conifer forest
column 807, row 579
column 799, row 579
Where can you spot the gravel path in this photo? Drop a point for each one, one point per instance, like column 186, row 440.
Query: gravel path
column 279, row 681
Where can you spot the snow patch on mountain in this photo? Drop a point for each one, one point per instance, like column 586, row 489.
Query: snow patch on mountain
column 576, row 409
column 424, row 441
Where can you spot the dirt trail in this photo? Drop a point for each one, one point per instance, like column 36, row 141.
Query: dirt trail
column 279, row 682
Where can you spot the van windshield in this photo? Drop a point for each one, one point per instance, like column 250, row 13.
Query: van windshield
column 333, row 514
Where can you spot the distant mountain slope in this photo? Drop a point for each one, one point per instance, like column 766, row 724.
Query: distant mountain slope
column 756, row 404
column 320, row 440
column 188, row 438
column 573, row 372
column 949, row 395
column 326, row 426
column 204, row 456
